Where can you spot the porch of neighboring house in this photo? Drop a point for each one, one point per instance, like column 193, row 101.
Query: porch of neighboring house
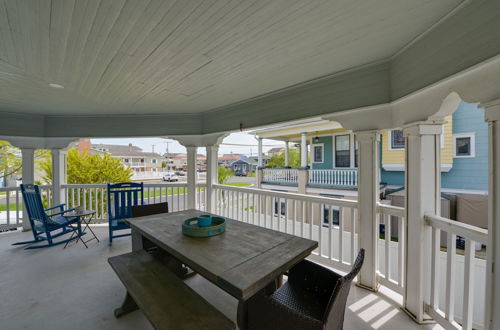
column 328, row 159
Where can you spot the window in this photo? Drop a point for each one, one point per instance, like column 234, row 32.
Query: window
column 153, row 161
column 397, row 139
column 464, row 145
column 342, row 151
column 335, row 215
column 317, row 153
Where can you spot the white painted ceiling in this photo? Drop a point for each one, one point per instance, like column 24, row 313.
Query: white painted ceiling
column 151, row 57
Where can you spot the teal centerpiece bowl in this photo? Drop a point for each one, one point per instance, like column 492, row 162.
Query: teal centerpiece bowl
column 205, row 220
column 191, row 228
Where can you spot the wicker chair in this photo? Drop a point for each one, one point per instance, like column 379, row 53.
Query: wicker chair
column 313, row 298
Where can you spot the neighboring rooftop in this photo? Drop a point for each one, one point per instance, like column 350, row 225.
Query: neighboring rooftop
column 124, row 151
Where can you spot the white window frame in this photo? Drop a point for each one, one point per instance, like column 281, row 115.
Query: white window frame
column 334, row 150
column 389, row 140
column 322, row 145
column 472, row 137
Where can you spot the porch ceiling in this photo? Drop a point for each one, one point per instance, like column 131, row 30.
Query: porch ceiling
column 191, row 67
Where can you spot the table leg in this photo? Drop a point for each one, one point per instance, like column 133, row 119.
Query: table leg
column 127, row 306
column 242, row 315
column 87, row 226
column 137, row 240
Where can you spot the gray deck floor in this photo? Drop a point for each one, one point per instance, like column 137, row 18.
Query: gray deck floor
column 75, row 288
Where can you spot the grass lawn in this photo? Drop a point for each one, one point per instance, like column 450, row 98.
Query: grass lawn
column 238, row 184
column 12, row 206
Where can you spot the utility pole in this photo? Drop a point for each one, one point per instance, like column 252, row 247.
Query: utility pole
column 168, row 156
column 153, row 148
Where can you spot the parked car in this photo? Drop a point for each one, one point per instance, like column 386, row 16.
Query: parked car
column 240, row 173
column 170, row 177
column 180, row 173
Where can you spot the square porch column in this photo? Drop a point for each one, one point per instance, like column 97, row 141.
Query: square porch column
column 260, row 162
column 303, row 150
column 59, row 174
column 191, row 177
column 368, row 196
column 492, row 317
column 423, row 192
column 28, row 176
column 212, row 177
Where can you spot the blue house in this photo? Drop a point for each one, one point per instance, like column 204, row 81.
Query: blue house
column 464, row 154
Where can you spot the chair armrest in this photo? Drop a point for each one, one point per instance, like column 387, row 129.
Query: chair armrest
column 61, row 206
column 62, row 212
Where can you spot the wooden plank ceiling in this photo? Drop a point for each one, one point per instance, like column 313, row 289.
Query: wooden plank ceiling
column 185, row 56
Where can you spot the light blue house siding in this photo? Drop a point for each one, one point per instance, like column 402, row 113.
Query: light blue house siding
column 469, row 173
column 327, row 142
column 466, row 173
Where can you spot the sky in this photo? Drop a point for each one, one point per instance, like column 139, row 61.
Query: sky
column 246, row 144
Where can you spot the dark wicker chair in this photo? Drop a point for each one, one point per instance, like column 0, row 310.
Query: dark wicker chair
column 149, row 209
column 314, row 297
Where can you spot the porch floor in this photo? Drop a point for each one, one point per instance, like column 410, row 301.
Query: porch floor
column 56, row 288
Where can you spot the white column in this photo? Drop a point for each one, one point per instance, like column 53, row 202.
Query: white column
column 58, row 176
column 368, row 196
column 212, row 177
column 423, row 189
column 28, row 173
column 303, row 150
column 259, row 151
column 191, row 177
column 287, row 156
column 492, row 317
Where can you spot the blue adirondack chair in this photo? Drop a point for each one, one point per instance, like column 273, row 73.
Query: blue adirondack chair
column 121, row 198
column 43, row 224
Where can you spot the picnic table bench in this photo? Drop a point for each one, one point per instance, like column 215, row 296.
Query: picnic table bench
column 165, row 299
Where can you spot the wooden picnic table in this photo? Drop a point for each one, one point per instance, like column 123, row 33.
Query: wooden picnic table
column 242, row 261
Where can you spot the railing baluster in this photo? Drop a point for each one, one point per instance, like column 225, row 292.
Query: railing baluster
column 435, row 267
column 330, row 229
column 353, row 235
column 401, row 245
column 17, row 207
column 387, row 224
column 468, row 304
column 450, row 277
column 341, row 234
column 7, row 204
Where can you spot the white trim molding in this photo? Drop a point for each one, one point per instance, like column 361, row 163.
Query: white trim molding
column 472, row 137
column 401, row 167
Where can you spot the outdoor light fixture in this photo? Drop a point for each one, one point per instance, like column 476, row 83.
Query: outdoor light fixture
column 56, row 86
column 316, row 139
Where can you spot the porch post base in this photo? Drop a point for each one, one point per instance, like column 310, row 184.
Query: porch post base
column 369, row 288
column 427, row 319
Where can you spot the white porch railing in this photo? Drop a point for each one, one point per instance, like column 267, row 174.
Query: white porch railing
column 331, row 222
column 93, row 197
column 458, row 281
column 334, row 177
column 281, row 175
column 11, row 205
